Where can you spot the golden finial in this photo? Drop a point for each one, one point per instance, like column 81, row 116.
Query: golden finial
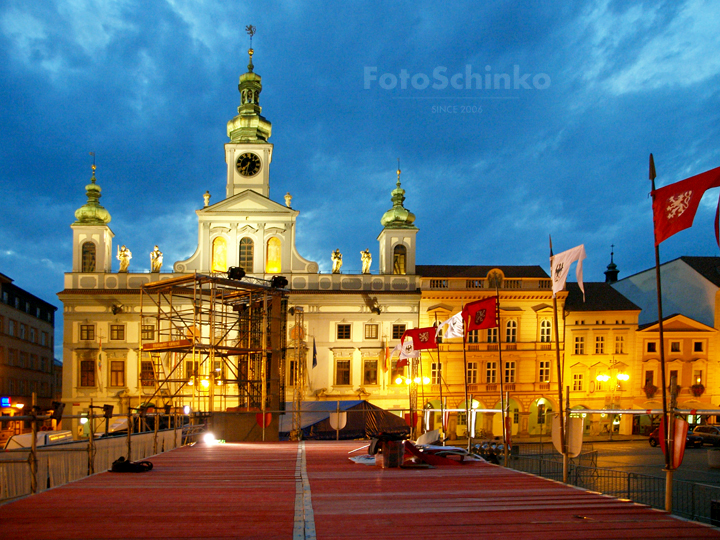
column 398, row 172
column 93, row 167
column 250, row 30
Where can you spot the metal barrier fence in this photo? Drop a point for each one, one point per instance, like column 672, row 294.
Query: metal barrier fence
column 690, row 500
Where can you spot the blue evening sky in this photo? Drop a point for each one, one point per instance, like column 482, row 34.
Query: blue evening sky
column 557, row 144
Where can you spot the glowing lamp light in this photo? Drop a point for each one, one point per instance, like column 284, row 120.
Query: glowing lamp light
column 426, row 380
column 83, row 420
column 186, row 409
column 408, row 381
column 209, row 439
column 191, row 382
column 623, row 377
column 417, row 380
column 205, row 384
column 603, row 378
column 399, row 380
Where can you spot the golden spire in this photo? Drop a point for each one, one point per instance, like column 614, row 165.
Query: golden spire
column 250, row 29
column 398, row 172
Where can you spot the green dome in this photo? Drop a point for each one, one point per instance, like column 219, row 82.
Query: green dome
column 91, row 213
column 398, row 217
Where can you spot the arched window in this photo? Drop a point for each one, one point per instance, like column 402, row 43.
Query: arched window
column 245, row 260
column 274, row 256
column 219, row 255
column 88, row 257
column 399, row 259
column 511, row 332
column 545, row 331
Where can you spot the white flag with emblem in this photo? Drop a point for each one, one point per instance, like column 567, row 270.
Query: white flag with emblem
column 454, row 326
column 560, row 267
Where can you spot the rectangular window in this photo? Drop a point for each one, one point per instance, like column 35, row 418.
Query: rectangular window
column 33, row 334
column 599, row 345
column 509, row 372
column 87, row 332
column 492, row 335
column 697, row 376
column 34, row 363
column 291, row 373
column 577, row 382
column 675, row 346
column 371, row 331
column 117, row 373
column 541, row 413
column 44, row 339
column 436, row 373
column 117, row 332
column 619, row 345
column 23, row 331
column 147, row 332
column 343, row 331
column 342, row 373
column 472, row 372
column 545, row 331
column 579, row 345
column 473, row 336
column 698, row 346
column 544, row 371
column 511, row 332
column 12, row 357
column 11, row 327
column 651, row 346
column 649, row 377
column 370, row 372
column 87, row 373
column 147, row 373
column 491, row 372
column 398, row 331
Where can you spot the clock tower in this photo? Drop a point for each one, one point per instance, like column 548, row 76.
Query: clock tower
column 248, row 154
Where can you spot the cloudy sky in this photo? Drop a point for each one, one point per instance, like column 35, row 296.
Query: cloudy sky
column 511, row 122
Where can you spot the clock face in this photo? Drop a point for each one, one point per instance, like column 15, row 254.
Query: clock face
column 248, row 164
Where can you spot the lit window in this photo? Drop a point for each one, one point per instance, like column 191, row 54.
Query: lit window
column 370, row 371
column 473, row 337
column 436, row 373
column 371, row 331
column 117, row 373
column 579, row 345
column 545, row 331
column 492, row 335
column 577, row 382
column 87, row 332
column 147, row 331
column 117, row 332
column 274, row 256
column 619, row 344
column 147, row 373
column 219, row 255
column 544, row 371
column 599, row 345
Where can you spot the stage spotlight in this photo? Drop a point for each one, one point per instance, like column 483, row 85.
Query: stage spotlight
column 235, row 272
column 279, row 282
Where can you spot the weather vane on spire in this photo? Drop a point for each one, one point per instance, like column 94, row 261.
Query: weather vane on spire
column 398, row 171
column 250, row 30
column 93, row 165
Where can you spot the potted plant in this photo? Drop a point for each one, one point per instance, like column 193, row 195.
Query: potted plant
column 697, row 389
column 650, row 389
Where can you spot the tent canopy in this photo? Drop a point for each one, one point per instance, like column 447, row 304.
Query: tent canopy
column 364, row 420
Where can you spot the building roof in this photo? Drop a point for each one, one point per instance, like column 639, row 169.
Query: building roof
column 708, row 267
column 599, row 296
column 457, row 271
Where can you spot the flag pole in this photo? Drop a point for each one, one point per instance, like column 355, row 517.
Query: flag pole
column 497, row 279
column 563, row 444
column 467, row 404
column 668, row 428
column 440, row 380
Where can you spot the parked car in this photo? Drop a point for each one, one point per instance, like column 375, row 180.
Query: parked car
column 691, row 440
column 708, row 434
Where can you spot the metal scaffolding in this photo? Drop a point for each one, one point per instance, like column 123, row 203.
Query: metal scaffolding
column 214, row 343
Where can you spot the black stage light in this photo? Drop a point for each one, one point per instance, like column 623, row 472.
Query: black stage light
column 279, row 282
column 235, row 272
